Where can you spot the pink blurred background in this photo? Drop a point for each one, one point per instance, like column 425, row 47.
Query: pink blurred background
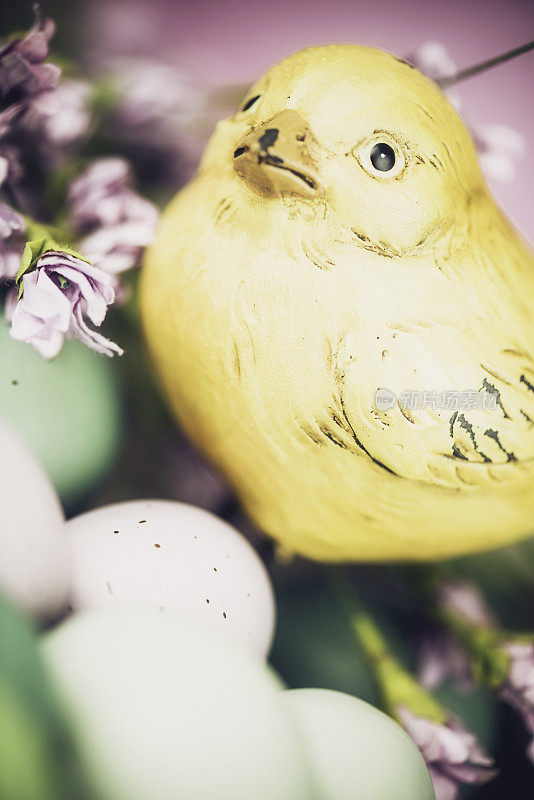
column 235, row 41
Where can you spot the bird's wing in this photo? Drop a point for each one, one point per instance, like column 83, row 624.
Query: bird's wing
column 445, row 420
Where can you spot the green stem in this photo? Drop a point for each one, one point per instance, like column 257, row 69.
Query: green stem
column 489, row 661
column 398, row 688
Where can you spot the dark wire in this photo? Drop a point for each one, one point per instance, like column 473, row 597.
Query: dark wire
column 484, row 65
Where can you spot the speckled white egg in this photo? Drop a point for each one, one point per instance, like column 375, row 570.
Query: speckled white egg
column 34, row 563
column 357, row 752
column 164, row 707
column 172, row 555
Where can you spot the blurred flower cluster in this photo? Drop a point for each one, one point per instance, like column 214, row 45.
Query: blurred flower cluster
column 475, row 649
column 69, row 148
column 452, row 753
column 54, row 191
column 116, row 222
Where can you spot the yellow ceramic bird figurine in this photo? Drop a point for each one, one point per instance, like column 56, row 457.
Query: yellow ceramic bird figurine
column 342, row 318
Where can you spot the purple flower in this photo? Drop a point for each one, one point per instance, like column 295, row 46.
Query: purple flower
column 452, row 753
column 158, row 110
column 441, row 659
column 433, row 58
column 119, row 222
column 499, row 146
column 60, row 118
column 11, row 169
column 163, row 116
column 12, row 240
column 466, row 601
column 518, row 689
column 57, row 295
column 22, row 73
column 440, row 656
column 23, row 78
column 119, row 247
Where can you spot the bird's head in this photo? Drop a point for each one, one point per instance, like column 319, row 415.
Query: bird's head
column 359, row 132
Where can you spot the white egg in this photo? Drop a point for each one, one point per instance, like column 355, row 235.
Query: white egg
column 34, row 563
column 163, row 707
column 172, row 555
column 358, row 753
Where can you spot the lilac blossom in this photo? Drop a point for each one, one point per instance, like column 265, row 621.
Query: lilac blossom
column 509, row 659
column 442, row 659
column 12, row 240
column 57, row 295
column 22, row 72
column 499, row 146
column 60, row 118
column 518, row 688
column 452, row 754
column 11, row 169
column 119, row 247
column 23, row 78
column 119, row 223
column 158, row 111
column 163, row 116
column 465, row 600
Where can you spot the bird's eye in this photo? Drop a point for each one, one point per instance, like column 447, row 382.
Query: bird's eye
column 250, row 102
column 381, row 156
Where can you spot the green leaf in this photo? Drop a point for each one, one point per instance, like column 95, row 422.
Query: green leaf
column 41, row 241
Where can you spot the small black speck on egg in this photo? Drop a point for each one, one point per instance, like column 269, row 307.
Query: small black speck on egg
column 115, row 531
column 157, row 545
column 224, row 614
column 207, row 600
column 215, row 569
column 141, row 521
column 14, row 382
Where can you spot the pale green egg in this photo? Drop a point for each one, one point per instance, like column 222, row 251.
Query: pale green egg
column 357, row 752
column 37, row 759
column 163, row 707
column 67, row 409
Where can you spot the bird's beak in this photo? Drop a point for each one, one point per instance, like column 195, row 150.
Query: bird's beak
column 275, row 156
